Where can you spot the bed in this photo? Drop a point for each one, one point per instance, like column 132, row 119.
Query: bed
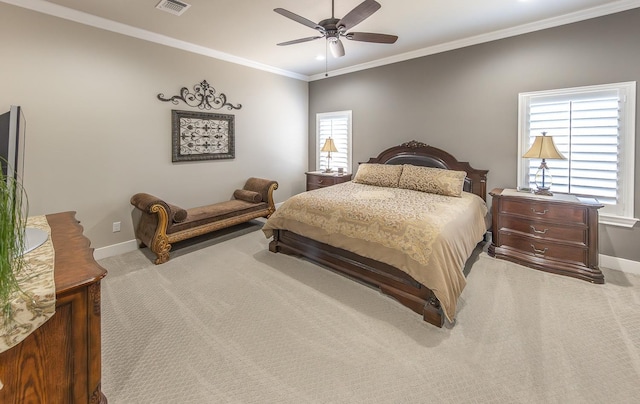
column 409, row 235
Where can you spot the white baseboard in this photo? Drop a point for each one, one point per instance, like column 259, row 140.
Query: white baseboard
column 620, row 264
column 606, row 261
column 115, row 249
column 128, row 246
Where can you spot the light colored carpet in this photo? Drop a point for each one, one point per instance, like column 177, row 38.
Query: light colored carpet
column 226, row 321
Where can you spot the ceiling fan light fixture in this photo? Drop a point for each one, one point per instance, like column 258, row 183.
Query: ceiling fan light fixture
column 336, row 47
column 333, row 28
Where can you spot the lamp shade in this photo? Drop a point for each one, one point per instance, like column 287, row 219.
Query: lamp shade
column 329, row 146
column 543, row 148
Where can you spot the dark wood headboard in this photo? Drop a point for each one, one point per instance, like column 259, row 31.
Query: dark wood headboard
column 421, row 154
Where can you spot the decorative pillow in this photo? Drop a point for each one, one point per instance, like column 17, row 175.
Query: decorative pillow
column 381, row 175
column 178, row 214
column 432, row 180
column 249, row 196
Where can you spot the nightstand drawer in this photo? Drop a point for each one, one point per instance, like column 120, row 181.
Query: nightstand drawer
column 318, row 179
column 545, row 249
column 544, row 230
column 545, row 211
column 321, row 181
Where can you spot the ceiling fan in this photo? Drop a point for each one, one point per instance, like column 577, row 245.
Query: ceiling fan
column 334, row 28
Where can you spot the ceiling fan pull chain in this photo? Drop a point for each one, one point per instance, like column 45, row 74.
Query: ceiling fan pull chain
column 326, row 58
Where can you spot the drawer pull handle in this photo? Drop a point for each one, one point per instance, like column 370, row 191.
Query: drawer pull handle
column 539, row 213
column 535, row 250
column 320, row 181
column 538, row 231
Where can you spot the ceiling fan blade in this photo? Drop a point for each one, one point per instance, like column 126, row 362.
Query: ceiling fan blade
column 336, row 48
column 371, row 37
column 297, row 18
column 295, row 41
column 359, row 14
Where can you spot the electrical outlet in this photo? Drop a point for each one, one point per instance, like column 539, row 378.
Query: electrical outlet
column 116, row 227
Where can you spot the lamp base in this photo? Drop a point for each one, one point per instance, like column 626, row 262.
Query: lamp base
column 543, row 192
column 328, row 170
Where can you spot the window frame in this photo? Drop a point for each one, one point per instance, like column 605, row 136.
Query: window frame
column 624, row 215
column 328, row 115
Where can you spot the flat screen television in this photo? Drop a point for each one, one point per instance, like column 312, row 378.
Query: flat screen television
column 12, row 135
column 12, row 146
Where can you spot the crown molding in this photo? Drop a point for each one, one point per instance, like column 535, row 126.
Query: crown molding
column 66, row 13
column 56, row 10
column 593, row 12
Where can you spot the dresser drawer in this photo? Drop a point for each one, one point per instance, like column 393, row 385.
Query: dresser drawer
column 545, row 211
column 571, row 234
column 557, row 234
column 545, row 249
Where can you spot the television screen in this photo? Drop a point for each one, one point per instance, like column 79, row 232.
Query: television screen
column 12, row 136
column 12, row 145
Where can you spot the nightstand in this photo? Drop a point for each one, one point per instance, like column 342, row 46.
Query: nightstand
column 320, row 179
column 557, row 234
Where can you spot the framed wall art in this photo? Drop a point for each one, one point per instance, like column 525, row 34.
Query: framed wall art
column 202, row 136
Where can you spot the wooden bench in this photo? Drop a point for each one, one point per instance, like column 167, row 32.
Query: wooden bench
column 162, row 223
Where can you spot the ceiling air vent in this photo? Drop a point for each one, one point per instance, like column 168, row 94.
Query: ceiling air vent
column 173, row 6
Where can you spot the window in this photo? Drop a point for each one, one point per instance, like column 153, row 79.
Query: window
column 594, row 128
column 336, row 125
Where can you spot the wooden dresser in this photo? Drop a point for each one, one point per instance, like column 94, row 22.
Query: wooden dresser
column 60, row 362
column 319, row 179
column 557, row 234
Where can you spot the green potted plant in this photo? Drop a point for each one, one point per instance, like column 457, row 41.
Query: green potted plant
column 13, row 208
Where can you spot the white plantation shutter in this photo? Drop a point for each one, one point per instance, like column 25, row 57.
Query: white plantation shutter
column 586, row 133
column 336, row 125
column 593, row 127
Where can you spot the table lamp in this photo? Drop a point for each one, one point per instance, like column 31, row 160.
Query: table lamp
column 329, row 147
column 543, row 148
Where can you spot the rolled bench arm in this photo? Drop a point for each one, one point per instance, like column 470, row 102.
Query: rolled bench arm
column 152, row 228
column 144, row 202
column 265, row 188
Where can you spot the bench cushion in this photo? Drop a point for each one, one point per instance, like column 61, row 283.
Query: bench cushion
column 218, row 211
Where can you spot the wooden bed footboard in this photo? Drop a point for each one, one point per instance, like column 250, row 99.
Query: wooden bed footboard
column 389, row 280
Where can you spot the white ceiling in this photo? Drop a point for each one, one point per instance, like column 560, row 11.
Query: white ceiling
column 247, row 31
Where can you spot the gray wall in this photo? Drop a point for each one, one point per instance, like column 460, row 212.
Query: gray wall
column 465, row 101
column 97, row 134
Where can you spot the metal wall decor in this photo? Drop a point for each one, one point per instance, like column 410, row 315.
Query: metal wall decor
column 202, row 136
column 203, row 96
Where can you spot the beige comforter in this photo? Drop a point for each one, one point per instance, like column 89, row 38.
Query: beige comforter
column 428, row 236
